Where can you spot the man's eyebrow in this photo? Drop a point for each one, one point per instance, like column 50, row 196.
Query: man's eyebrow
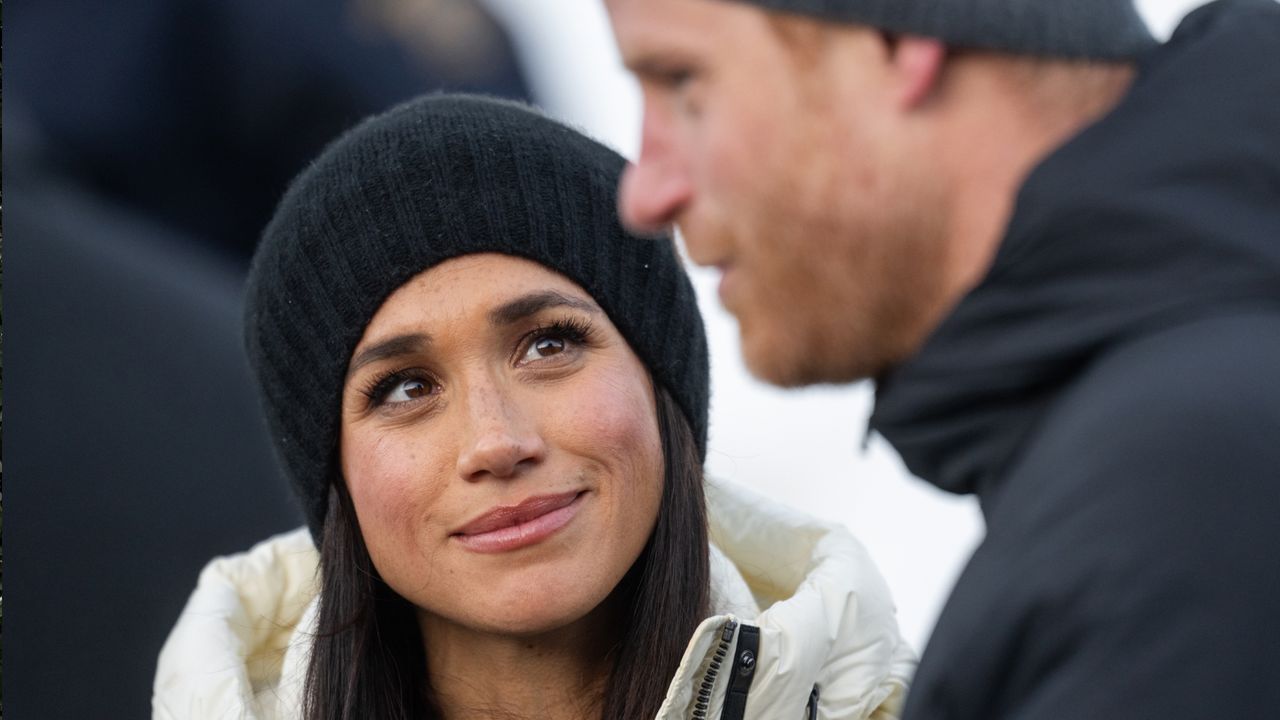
column 655, row 66
column 535, row 302
column 663, row 54
column 391, row 347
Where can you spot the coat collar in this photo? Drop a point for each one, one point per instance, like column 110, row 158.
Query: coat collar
column 828, row 619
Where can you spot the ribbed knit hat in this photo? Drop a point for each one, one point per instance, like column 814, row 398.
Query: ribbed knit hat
column 1087, row 29
column 433, row 179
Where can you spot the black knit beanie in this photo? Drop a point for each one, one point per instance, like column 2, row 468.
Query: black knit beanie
column 1086, row 29
column 432, row 179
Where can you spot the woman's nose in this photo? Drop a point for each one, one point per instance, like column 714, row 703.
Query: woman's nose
column 502, row 437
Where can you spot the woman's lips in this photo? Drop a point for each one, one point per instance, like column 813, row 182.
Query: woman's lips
column 510, row 527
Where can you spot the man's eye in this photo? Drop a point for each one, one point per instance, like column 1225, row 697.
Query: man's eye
column 677, row 79
column 673, row 80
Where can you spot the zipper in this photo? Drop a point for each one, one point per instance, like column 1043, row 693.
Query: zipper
column 713, row 670
column 744, row 671
column 741, row 674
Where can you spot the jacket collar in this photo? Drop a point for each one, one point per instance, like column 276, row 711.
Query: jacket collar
column 829, row 620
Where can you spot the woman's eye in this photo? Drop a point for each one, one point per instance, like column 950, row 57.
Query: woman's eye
column 562, row 337
column 399, row 388
column 544, row 347
column 409, row 390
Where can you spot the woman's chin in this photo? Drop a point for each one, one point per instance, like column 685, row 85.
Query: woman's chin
column 517, row 622
column 536, row 612
column 531, row 604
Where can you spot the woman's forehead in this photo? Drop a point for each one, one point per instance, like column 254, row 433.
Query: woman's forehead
column 490, row 288
column 481, row 268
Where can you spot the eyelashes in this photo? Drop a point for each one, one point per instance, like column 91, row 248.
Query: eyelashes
column 381, row 386
column 559, row 339
column 574, row 330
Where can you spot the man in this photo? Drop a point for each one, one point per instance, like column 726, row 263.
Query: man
column 1057, row 249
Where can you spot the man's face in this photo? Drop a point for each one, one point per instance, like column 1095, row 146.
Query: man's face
column 773, row 143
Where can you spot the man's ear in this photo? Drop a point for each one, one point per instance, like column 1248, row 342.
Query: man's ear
column 917, row 65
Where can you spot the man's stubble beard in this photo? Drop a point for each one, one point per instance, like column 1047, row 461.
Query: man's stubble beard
column 850, row 300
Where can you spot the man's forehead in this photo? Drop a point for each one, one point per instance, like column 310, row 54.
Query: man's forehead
column 650, row 31
column 643, row 18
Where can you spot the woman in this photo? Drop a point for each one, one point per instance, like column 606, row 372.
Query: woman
column 493, row 406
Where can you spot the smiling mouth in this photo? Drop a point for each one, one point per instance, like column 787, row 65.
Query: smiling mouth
column 511, row 527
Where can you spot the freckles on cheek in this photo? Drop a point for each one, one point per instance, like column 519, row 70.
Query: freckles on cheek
column 617, row 422
column 386, row 483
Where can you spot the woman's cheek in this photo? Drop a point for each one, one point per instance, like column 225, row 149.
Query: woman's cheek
column 615, row 422
column 392, row 487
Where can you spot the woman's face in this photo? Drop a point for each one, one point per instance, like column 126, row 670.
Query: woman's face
column 500, row 445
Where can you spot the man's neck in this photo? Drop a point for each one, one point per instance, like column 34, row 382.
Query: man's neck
column 1010, row 122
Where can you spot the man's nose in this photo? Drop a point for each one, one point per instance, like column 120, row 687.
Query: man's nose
column 501, row 437
column 656, row 188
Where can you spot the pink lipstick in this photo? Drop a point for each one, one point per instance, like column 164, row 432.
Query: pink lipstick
column 511, row 527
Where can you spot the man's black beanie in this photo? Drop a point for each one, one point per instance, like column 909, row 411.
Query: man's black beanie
column 436, row 178
column 1084, row 29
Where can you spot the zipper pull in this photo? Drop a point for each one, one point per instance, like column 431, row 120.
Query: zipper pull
column 730, row 626
column 811, row 710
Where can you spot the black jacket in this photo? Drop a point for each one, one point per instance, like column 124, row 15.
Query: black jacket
column 1111, row 393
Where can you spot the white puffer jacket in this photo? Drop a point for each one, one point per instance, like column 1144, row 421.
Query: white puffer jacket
column 240, row 647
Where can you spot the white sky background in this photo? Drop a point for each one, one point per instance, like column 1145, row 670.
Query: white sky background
column 799, row 447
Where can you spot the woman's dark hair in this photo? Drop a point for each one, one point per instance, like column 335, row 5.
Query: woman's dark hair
column 368, row 661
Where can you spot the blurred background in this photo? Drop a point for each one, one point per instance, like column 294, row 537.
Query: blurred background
column 145, row 145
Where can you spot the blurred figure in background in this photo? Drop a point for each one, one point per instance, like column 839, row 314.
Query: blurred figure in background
column 1057, row 248
column 197, row 113
column 145, row 145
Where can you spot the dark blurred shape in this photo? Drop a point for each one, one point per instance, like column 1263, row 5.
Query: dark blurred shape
column 145, row 145
column 198, row 112
column 135, row 448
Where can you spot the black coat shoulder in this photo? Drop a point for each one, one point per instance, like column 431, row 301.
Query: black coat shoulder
column 1133, row 558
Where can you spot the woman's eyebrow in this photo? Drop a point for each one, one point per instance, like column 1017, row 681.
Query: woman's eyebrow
column 399, row 345
column 535, row 302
